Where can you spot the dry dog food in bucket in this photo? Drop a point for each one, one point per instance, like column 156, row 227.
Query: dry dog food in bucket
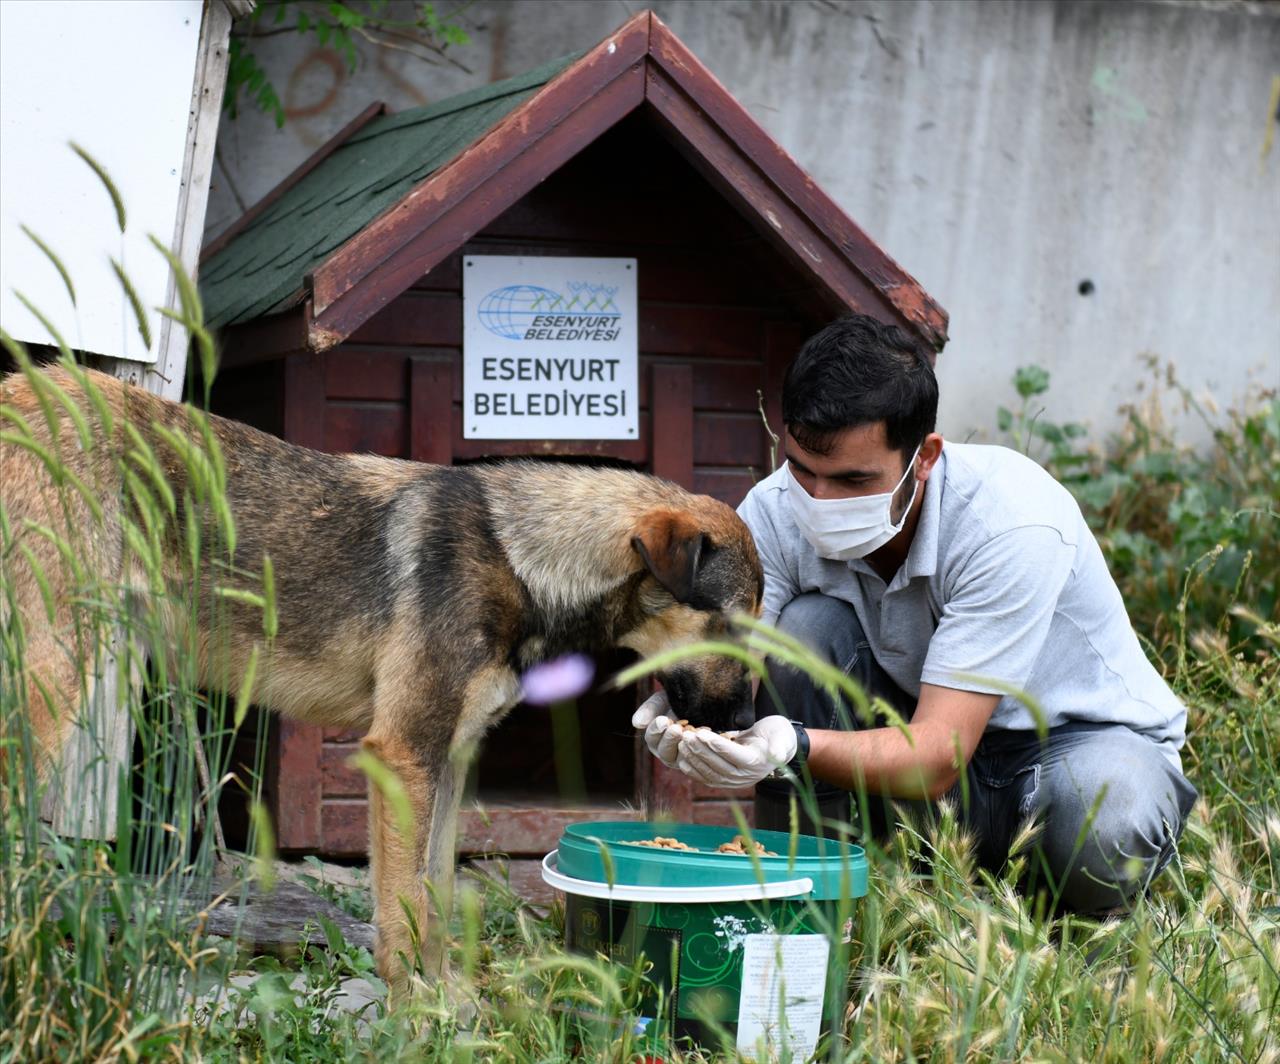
column 747, row 949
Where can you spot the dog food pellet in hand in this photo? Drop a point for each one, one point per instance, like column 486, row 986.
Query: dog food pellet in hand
column 686, row 727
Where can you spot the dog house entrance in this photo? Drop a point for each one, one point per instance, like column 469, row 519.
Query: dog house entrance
column 518, row 762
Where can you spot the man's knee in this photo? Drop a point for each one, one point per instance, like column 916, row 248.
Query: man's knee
column 826, row 625
column 831, row 630
column 1112, row 821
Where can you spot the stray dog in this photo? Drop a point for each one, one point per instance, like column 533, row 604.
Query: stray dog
column 410, row 597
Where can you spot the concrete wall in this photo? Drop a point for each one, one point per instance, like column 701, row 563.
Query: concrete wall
column 1005, row 153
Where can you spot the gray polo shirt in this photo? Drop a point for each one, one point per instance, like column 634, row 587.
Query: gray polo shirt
column 1004, row 587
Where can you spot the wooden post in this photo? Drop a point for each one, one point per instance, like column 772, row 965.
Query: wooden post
column 431, row 411
column 671, row 425
column 103, row 737
column 671, row 403
column 299, row 787
column 782, row 340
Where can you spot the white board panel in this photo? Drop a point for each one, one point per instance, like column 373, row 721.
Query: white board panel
column 114, row 76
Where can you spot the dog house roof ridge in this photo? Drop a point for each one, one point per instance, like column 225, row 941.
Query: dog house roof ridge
column 342, row 235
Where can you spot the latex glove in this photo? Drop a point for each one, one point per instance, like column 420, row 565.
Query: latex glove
column 662, row 735
column 741, row 761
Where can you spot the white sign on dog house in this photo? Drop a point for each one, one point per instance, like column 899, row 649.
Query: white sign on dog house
column 549, row 348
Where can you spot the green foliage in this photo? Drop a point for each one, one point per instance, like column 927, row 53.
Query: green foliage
column 334, row 24
column 1188, row 532
column 1031, row 435
column 354, row 901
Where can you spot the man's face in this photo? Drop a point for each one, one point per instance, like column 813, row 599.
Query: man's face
column 860, row 462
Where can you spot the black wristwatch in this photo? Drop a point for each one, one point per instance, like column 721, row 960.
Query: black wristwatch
column 798, row 760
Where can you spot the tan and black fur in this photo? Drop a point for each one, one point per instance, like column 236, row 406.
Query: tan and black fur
column 410, row 598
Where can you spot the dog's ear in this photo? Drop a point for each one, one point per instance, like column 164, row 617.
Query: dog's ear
column 670, row 543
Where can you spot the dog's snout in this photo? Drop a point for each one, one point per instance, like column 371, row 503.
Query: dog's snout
column 744, row 717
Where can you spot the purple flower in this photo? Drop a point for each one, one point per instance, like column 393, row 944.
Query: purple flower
column 558, row 680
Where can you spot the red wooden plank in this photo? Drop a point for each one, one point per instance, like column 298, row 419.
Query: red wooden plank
column 338, row 779
column 297, row 777
column 729, row 439
column 343, row 735
column 445, row 276
column 310, row 163
column 671, row 421
column 351, row 372
column 643, row 168
column 700, row 331
column 710, row 119
column 432, row 319
column 264, row 339
column 531, row 829
column 737, row 176
column 304, row 400
column 514, row 829
column 525, row 147
column 782, row 342
column 524, row 877
column 345, row 823
column 366, row 428
column 431, row 411
column 730, row 486
column 670, row 793
column 297, row 787
column 721, row 812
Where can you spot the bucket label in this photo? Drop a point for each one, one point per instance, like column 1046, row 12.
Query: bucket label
column 622, row 934
column 783, row 985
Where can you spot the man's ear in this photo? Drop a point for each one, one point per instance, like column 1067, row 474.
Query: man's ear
column 670, row 543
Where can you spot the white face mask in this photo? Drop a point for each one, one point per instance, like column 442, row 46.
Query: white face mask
column 841, row 529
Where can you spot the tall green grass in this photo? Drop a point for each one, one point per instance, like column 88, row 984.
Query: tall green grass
column 101, row 942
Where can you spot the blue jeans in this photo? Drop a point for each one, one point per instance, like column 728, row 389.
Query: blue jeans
column 1142, row 799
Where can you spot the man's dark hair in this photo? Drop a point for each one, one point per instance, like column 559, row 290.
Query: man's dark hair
column 858, row 371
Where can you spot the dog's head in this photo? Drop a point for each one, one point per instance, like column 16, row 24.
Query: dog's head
column 702, row 568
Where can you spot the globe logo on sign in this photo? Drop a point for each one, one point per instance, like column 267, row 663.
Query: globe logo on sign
column 508, row 312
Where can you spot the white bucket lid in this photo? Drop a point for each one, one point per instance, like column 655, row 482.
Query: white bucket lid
column 588, row 888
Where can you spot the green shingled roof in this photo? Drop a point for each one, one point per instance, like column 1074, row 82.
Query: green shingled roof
column 261, row 270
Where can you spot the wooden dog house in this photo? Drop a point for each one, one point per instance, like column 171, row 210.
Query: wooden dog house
column 339, row 303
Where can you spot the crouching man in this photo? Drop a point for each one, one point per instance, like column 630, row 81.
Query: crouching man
column 942, row 577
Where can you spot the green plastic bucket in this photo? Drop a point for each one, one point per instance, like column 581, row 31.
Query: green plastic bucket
column 745, row 951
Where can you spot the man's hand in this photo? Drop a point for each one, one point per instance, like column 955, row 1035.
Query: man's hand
column 662, row 735
column 739, row 762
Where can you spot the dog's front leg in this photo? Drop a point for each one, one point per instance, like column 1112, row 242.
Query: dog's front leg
column 410, row 936
column 431, row 769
